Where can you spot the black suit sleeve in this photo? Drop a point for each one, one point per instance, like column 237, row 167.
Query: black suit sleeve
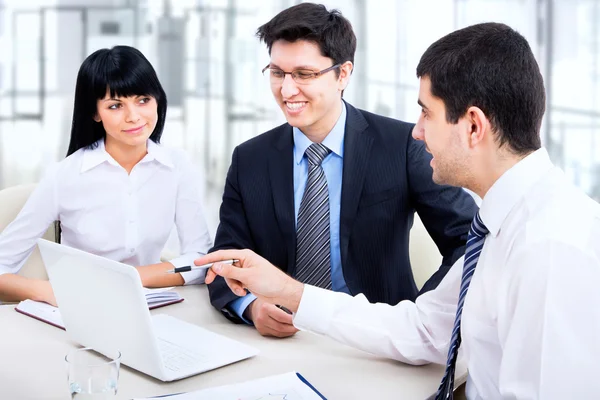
column 446, row 211
column 233, row 233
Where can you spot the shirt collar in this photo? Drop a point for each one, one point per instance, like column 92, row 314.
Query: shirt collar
column 158, row 153
column 511, row 187
column 334, row 141
column 97, row 154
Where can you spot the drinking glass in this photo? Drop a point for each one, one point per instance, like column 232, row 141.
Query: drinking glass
column 91, row 375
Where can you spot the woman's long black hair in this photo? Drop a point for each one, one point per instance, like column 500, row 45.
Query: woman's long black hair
column 125, row 72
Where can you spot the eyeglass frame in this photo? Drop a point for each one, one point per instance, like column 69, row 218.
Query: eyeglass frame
column 313, row 77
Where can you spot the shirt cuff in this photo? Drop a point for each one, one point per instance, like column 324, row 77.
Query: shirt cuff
column 238, row 306
column 190, row 277
column 316, row 309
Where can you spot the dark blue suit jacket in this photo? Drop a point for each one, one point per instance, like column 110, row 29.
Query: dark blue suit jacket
column 386, row 178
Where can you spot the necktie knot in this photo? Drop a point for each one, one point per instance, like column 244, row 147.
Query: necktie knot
column 316, row 153
column 478, row 228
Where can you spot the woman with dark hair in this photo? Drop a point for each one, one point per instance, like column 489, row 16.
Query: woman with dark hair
column 119, row 192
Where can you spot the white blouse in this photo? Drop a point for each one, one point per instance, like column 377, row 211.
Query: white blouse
column 105, row 211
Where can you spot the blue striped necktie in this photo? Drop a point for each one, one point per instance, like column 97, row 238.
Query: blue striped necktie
column 313, row 249
column 475, row 242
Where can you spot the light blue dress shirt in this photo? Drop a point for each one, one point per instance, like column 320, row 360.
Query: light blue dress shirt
column 332, row 167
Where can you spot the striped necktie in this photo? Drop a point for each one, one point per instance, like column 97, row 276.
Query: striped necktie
column 313, row 251
column 475, row 241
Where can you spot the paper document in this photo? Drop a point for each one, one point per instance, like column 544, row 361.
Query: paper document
column 155, row 297
column 46, row 313
column 289, row 386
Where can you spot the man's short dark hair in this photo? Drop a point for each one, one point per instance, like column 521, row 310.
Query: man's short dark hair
column 330, row 30
column 490, row 66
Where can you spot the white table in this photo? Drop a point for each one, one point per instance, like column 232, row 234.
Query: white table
column 32, row 362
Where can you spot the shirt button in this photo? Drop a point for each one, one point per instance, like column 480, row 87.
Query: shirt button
column 131, row 250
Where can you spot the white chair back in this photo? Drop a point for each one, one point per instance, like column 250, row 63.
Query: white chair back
column 425, row 257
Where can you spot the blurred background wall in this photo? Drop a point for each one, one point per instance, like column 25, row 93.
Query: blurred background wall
column 209, row 62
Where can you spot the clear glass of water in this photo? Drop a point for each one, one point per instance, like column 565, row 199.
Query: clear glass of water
column 92, row 375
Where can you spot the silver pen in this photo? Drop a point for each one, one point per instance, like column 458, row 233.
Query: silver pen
column 197, row 267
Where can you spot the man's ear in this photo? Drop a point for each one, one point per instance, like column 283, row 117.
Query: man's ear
column 479, row 126
column 345, row 72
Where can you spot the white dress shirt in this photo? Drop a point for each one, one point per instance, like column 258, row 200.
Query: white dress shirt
column 105, row 211
column 531, row 319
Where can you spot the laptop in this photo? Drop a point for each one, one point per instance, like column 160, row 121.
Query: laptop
column 103, row 306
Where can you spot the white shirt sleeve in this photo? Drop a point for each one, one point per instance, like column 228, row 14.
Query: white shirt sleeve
column 414, row 333
column 550, row 324
column 18, row 239
column 191, row 224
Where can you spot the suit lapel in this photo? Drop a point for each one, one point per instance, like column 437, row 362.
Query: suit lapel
column 357, row 149
column 282, row 185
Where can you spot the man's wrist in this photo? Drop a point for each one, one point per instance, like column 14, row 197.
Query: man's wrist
column 292, row 295
column 248, row 311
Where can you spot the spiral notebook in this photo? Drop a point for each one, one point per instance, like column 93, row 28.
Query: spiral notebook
column 51, row 315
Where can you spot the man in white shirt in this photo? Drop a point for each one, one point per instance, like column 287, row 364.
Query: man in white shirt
column 526, row 301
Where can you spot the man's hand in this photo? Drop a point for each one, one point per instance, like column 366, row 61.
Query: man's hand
column 270, row 320
column 256, row 274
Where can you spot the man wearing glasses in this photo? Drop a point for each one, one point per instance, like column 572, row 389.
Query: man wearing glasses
column 329, row 197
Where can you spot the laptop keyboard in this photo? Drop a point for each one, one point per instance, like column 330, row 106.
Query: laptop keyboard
column 177, row 358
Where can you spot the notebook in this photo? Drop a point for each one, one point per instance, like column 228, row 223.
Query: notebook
column 51, row 315
column 288, row 386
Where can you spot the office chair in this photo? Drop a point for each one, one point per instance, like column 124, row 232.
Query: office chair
column 425, row 257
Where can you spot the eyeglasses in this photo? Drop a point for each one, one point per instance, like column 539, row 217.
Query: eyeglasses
column 300, row 76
